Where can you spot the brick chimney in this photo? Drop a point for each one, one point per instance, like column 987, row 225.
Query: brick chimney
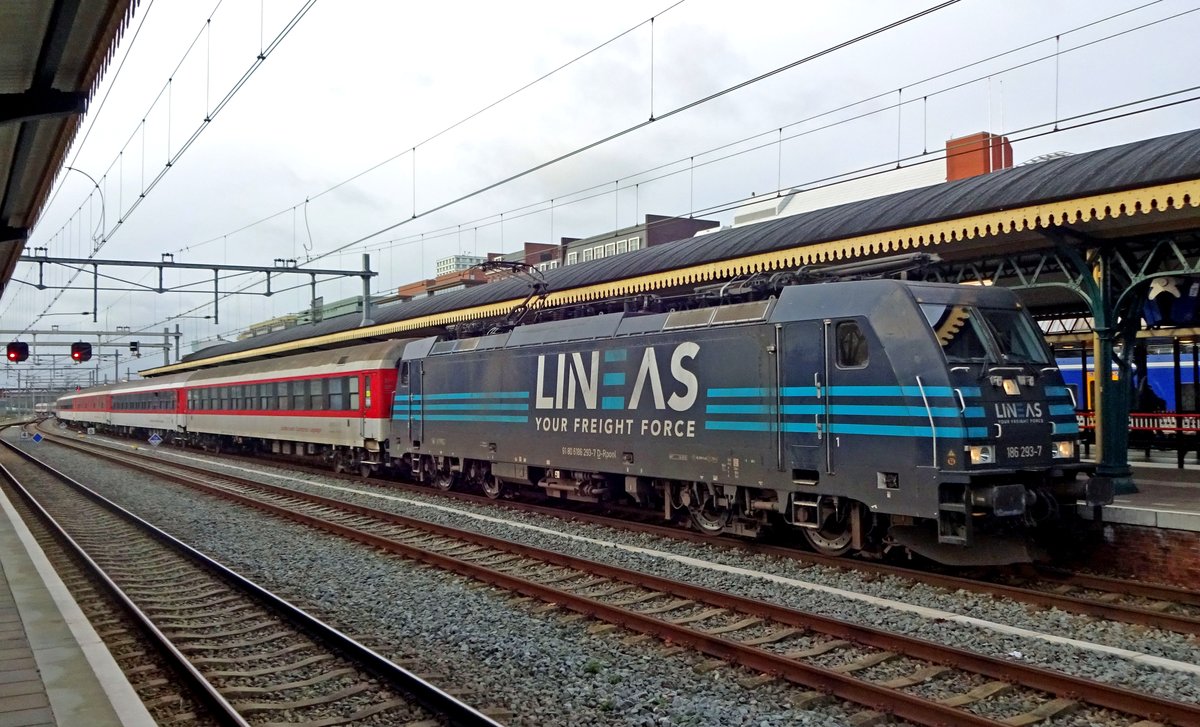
column 969, row 156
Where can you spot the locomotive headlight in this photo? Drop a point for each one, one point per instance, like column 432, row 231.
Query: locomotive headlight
column 1064, row 449
column 982, row 453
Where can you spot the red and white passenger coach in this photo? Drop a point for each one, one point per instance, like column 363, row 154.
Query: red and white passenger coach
column 333, row 405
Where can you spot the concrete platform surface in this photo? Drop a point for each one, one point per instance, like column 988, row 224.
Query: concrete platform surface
column 1167, row 498
column 54, row 668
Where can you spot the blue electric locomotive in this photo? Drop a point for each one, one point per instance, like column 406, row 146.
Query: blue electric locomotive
column 865, row 415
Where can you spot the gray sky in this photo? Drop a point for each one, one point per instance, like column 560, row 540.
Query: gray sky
column 360, row 81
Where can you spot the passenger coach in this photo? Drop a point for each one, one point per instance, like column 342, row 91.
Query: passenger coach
column 335, row 405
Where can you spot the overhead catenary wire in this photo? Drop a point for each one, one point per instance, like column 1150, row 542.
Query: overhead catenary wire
column 635, row 127
column 672, row 112
column 94, row 114
column 1048, row 128
column 413, row 147
column 511, row 217
column 924, row 100
column 210, row 115
column 603, row 188
column 559, row 198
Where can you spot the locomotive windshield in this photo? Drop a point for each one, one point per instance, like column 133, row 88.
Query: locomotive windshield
column 1015, row 337
column 969, row 334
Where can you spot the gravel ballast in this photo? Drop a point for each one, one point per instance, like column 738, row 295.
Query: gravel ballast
column 1178, row 647
column 546, row 671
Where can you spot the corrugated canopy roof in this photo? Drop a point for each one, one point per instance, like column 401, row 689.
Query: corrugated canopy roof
column 1003, row 205
column 52, row 53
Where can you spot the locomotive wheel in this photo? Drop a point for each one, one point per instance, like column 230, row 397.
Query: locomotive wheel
column 443, row 480
column 709, row 521
column 364, row 470
column 492, row 487
column 833, row 538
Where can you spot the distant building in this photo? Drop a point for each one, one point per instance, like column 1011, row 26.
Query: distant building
column 966, row 156
column 540, row 255
column 278, row 323
column 654, row 230
column 453, row 280
column 455, row 263
column 319, row 312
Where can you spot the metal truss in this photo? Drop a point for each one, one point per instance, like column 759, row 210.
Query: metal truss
column 1111, row 278
column 281, row 267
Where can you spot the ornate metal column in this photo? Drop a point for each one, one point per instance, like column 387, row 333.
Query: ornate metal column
column 1111, row 395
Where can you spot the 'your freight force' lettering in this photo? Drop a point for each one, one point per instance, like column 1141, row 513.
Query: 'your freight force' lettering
column 600, row 425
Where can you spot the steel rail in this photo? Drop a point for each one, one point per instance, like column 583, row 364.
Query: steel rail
column 1113, row 612
column 1120, row 585
column 1124, row 613
column 424, row 693
column 1179, row 623
column 223, row 711
column 877, row 697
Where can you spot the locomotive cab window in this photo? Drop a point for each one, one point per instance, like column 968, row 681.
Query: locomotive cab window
column 969, row 334
column 851, row 345
column 1015, row 337
column 956, row 329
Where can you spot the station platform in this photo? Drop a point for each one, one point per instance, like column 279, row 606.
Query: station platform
column 1154, row 533
column 1168, row 497
column 54, row 668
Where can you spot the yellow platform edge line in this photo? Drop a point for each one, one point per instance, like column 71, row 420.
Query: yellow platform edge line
column 1145, row 200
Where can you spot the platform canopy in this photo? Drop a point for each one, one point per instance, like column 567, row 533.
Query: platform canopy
column 1131, row 192
column 52, row 54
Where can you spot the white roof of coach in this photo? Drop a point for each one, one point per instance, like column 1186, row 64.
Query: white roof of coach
column 352, row 358
column 173, row 381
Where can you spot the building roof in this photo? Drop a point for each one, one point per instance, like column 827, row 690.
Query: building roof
column 1141, row 186
column 52, row 54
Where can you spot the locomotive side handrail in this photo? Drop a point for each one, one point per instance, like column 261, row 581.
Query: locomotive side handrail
column 932, row 427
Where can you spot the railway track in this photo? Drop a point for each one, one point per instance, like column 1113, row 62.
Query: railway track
column 249, row 656
column 1134, row 602
column 929, row 683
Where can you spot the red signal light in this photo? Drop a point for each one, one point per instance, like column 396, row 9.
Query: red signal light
column 17, row 351
column 81, row 351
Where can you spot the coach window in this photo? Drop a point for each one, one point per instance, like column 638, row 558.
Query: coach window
column 317, row 392
column 851, row 345
column 352, row 389
column 337, row 397
column 299, row 395
column 223, row 402
column 282, row 399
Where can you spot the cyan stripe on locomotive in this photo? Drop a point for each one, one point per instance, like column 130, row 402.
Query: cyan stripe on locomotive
column 907, row 398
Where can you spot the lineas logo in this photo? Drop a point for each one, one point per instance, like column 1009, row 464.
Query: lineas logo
column 591, row 379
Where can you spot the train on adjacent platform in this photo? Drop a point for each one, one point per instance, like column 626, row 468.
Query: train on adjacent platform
column 1158, row 393
column 862, row 415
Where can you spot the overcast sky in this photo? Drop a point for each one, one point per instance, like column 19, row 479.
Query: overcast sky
column 357, row 82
